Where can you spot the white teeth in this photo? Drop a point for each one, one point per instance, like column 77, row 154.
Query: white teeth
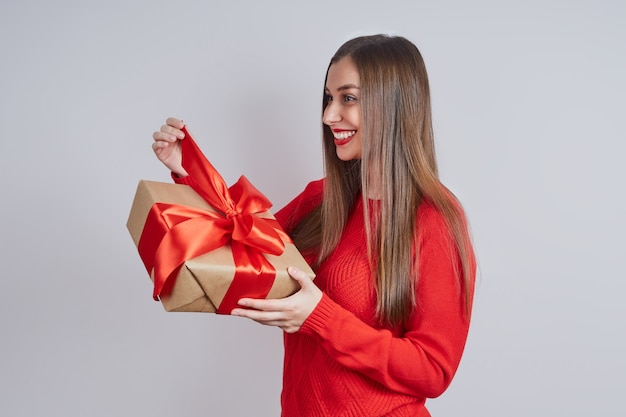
column 344, row 135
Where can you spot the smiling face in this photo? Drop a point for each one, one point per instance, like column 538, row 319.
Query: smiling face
column 342, row 113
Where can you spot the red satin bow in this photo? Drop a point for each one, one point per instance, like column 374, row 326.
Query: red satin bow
column 173, row 233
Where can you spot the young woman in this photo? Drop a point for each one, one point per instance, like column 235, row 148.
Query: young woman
column 384, row 324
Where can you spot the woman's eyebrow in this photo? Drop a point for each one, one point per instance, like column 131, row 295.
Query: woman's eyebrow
column 344, row 87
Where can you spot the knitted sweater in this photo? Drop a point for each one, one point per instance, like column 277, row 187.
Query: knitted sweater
column 341, row 362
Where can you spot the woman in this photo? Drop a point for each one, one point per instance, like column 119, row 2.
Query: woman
column 384, row 324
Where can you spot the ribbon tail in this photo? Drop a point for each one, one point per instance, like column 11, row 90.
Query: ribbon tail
column 208, row 182
column 170, row 255
column 254, row 278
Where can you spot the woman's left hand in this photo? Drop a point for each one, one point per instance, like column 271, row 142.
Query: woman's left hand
column 287, row 313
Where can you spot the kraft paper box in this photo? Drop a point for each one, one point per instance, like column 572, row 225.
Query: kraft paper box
column 203, row 281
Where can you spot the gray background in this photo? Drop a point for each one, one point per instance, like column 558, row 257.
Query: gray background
column 529, row 116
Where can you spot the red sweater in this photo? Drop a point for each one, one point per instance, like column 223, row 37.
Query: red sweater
column 341, row 362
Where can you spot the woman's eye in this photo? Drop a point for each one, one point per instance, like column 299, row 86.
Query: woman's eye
column 346, row 98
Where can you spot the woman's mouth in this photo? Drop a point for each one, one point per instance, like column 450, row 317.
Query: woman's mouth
column 343, row 136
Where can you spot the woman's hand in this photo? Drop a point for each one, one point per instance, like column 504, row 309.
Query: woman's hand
column 166, row 145
column 287, row 313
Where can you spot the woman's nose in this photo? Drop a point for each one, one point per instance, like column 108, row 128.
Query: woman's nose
column 331, row 114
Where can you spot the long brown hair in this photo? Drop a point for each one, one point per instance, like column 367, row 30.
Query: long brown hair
column 398, row 146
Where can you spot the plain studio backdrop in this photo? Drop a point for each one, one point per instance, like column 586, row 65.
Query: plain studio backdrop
column 528, row 101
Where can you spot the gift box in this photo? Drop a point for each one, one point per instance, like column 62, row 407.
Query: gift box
column 208, row 246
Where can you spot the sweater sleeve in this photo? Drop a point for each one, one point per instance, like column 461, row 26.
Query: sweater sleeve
column 422, row 359
column 182, row 180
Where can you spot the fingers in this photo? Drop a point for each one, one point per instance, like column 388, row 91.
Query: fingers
column 175, row 123
column 259, row 315
column 175, row 132
column 168, row 134
column 163, row 141
column 300, row 276
column 170, row 131
column 269, row 318
column 264, row 304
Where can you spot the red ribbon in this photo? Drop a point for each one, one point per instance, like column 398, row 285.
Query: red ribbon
column 174, row 234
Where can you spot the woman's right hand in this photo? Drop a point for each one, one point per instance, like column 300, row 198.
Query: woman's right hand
column 166, row 145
